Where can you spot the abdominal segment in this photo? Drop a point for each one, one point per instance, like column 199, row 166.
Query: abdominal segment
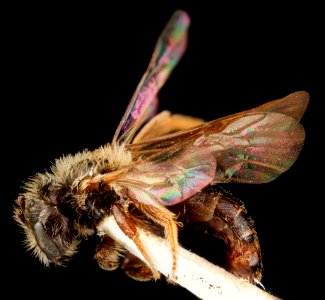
column 225, row 218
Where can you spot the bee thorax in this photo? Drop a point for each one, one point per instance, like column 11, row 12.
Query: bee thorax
column 99, row 202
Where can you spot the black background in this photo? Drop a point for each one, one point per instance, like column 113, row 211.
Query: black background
column 68, row 75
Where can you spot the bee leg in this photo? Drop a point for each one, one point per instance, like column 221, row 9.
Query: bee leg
column 225, row 218
column 165, row 218
column 135, row 268
column 108, row 253
column 128, row 226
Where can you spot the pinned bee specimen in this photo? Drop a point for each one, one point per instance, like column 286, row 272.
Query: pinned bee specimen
column 162, row 171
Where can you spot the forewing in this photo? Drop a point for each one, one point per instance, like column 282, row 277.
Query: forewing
column 254, row 146
column 168, row 51
column 293, row 105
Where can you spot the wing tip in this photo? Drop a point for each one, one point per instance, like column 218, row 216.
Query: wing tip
column 302, row 96
column 301, row 100
column 182, row 16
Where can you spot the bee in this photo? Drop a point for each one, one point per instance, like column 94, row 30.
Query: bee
column 162, row 171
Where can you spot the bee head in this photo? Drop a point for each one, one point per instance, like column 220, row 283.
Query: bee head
column 50, row 210
column 48, row 230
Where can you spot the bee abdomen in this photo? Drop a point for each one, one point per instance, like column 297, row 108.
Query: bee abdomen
column 224, row 217
column 231, row 224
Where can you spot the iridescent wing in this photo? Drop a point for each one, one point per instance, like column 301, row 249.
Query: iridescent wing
column 292, row 105
column 254, row 146
column 168, row 51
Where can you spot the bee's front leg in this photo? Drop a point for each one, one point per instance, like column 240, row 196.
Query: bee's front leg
column 108, row 253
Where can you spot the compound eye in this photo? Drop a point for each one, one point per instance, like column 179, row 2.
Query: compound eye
column 46, row 244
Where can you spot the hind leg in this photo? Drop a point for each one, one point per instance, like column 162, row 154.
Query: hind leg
column 225, row 218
